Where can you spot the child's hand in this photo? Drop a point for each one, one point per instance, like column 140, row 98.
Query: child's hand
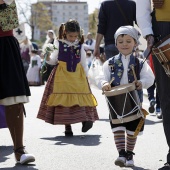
column 106, row 87
column 138, row 85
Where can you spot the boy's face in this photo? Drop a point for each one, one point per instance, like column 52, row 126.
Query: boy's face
column 125, row 44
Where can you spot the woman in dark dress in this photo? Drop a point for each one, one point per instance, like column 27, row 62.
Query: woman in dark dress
column 14, row 89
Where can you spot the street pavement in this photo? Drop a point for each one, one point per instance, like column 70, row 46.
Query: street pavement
column 94, row 150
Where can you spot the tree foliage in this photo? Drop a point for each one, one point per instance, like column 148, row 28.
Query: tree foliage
column 93, row 21
column 40, row 17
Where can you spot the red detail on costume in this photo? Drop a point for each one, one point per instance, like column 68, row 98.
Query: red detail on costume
column 151, row 63
column 6, row 33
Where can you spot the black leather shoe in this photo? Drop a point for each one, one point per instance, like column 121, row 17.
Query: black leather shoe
column 152, row 106
column 165, row 167
column 68, row 131
column 87, row 125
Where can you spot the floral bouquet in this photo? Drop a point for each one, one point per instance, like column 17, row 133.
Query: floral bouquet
column 48, row 50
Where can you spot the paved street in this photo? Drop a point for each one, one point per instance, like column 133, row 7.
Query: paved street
column 94, row 150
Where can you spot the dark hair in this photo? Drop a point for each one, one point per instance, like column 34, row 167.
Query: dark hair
column 34, row 51
column 70, row 26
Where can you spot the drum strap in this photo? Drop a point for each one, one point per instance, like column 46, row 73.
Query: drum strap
column 142, row 120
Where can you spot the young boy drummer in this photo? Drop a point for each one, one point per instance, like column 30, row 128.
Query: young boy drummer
column 118, row 68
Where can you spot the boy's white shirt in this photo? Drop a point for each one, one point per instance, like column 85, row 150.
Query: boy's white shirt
column 146, row 75
column 54, row 57
column 90, row 47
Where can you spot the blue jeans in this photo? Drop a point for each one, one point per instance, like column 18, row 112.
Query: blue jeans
column 110, row 51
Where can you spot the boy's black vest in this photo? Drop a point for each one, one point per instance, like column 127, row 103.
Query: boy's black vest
column 116, row 67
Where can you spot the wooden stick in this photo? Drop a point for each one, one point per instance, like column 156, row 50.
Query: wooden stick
column 134, row 72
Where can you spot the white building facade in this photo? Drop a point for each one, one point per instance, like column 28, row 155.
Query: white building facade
column 61, row 11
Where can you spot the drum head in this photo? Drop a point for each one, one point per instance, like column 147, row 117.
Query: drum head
column 122, row 89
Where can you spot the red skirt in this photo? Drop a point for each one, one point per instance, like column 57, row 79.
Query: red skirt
column 63, row 115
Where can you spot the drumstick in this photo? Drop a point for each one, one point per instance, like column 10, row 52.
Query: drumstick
column 110, row 83
column 111, row 80
column 134, row 72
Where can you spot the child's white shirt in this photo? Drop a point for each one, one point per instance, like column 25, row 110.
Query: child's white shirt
column 38, row 58
column 146, row 75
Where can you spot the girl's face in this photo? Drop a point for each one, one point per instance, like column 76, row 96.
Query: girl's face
column 50, row 34
column 72, row 36
column 125, row 44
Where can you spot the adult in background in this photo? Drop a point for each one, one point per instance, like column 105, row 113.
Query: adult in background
column 157, row 25
column 25, row 48
column 14, row 89
column 90, row 42
column 112, row 15
column 50, row 37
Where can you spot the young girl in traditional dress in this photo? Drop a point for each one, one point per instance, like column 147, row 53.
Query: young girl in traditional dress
column 67, row 97
column 119, row 69
column 33, row 73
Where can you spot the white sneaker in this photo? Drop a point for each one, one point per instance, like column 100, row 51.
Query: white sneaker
column 26, row 158
column 129, row 159
column 23, row 157
column 129, row 163
column 120, row 161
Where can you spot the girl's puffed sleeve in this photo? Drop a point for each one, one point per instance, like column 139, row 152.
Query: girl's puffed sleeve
column 8, row 2
column 54, row 55
column 83, row 60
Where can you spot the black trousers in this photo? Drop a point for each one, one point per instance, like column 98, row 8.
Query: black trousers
column 163, row 82
column 151, row 94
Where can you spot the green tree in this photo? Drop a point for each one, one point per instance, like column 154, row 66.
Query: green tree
column 40, row 18
column 93, row 21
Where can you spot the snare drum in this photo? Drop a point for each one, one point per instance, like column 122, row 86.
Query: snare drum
column 162, row 52
column 124, row 104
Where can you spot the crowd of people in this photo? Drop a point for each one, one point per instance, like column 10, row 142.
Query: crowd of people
column 70, row 100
